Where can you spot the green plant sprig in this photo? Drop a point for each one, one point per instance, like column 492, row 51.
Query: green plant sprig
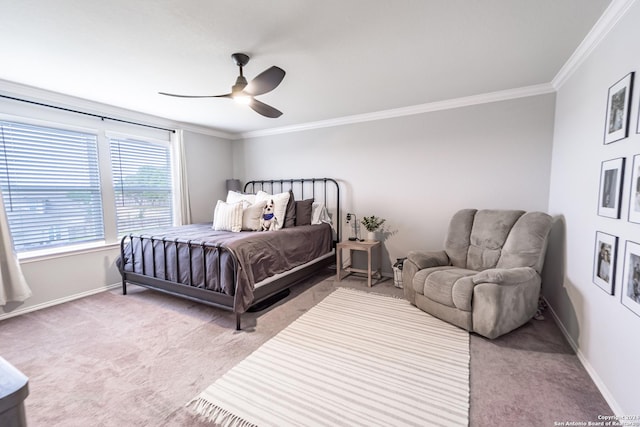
column 372, row 223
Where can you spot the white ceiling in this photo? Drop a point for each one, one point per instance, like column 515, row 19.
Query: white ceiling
column 342, row 57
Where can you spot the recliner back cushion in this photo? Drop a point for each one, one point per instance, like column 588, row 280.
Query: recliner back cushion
column 457, row 242
column 527, row 242
column 490, row 231
column 493, row 238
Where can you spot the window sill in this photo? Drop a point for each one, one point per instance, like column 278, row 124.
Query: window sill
column 34, row 256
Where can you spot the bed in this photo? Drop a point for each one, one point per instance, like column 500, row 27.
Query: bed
column 238, row 271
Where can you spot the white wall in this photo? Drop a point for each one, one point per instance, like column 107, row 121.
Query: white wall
column 603, row 330
column 209, row 165
column 416, row 171
column 59, row 278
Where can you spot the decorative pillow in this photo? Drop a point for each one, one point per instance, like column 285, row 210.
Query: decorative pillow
column 315, row 212
column 303, row 212
column 234, row 196
column 290, row 213
column 280, row 201
column 227, row 216
column 320, row 214
column 251, row 215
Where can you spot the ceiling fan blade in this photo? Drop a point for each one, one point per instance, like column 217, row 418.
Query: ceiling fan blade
column 266, row 81
column 264, row 109
column 226, row 95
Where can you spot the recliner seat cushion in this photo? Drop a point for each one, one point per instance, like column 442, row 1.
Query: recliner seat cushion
column 452, row 287
column 421, row 277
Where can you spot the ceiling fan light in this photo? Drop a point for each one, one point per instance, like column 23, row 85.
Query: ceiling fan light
column 242, row 98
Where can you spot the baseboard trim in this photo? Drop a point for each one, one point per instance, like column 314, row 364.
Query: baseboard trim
column 36, row 307
column 617, row 410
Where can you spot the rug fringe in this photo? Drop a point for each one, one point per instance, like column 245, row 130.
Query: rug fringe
column 215, row 414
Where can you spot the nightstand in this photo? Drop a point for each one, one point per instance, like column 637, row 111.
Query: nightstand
column 366, row 246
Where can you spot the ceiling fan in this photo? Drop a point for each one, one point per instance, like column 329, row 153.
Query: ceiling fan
column 244, row 92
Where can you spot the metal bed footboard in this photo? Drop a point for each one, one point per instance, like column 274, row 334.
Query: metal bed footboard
column 324, row 190
column 152, row 277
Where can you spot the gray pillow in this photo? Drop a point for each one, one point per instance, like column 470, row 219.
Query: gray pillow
column 303, row 212
column 290, row 212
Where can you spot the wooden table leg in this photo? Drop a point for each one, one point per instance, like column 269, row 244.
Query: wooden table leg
column 369, row 272
column 338, row 264
column 380, row 262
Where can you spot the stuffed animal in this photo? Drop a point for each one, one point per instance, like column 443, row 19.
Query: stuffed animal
column 268, row 219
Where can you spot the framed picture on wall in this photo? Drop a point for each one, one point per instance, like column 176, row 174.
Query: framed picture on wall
column 618, row 107
column 611, row 174
column 634, row 199
column 638, row 124
column 604, row 262
column 630, row 295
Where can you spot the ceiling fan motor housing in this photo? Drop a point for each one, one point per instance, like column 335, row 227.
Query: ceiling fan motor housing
column 240, row 59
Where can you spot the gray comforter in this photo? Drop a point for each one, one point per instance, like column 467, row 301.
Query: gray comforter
column 259, row 255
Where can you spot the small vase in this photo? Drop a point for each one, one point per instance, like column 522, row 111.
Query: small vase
column 371, row 236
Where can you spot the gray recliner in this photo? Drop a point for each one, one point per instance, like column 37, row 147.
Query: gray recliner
column 487, row 279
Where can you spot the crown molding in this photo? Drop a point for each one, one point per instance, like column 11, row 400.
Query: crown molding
column 466, row 101
column 44, row 96
column 616, row 10
column 206, row 131
column 68, row 101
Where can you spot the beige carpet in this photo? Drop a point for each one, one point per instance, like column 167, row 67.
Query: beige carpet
column 355, row 359
column 112, row 360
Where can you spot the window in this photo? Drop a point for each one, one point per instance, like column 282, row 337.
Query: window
column 142, row 184
column 53, row 179
column 50, row 186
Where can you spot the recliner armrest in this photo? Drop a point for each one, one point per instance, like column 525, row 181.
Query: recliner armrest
column 428, row 259
column 505, row 276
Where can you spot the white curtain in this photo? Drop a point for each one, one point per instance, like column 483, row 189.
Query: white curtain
column 13, row 286
column 177, row 140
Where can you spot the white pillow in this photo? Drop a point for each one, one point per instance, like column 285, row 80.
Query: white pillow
column 316, row 208
column 280, row 201
column 319, row 214
column 227, row 216
column 234, row 196
column 251, row 215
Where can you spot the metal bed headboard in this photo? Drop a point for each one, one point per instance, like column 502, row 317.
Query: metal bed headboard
column 324, row 190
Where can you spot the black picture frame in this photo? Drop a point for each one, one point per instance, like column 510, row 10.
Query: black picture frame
column 638, row 121
column 605, row 255
column 618, row 109
column 634, row 191
column 630, row 293
column 610, row 194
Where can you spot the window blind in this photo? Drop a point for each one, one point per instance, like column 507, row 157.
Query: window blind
column 142, row 185
column 50, row 186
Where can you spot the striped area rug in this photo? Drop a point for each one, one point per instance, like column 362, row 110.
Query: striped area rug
column 355, row 359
